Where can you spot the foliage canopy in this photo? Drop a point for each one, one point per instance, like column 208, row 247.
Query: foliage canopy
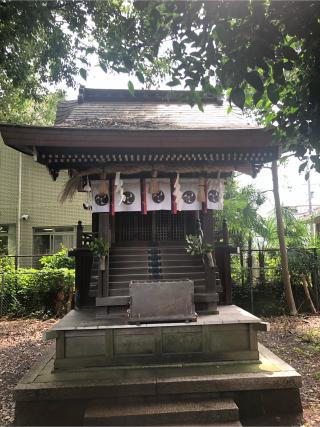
column 264, row 54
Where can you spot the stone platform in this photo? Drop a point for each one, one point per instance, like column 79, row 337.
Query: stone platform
column 266, row 392
column 84, row 341
column 107, row 372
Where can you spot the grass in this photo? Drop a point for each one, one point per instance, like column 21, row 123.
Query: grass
column 312, row 337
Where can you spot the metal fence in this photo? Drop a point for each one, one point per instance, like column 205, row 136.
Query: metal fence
column 257, row 269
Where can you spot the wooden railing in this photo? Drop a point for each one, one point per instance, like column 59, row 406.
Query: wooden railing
column 84, row 238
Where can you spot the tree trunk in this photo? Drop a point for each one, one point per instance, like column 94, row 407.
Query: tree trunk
column 282, row 243
column 307, row 294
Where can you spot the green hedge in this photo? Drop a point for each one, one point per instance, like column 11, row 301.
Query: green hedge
column 29, row 291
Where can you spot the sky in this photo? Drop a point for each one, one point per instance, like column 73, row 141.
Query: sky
column 293, row 186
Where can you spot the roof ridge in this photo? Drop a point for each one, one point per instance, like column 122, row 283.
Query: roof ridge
column 151, row 95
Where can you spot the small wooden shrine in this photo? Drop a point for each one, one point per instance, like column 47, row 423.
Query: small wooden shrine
column 154, row 338
column 155, row 168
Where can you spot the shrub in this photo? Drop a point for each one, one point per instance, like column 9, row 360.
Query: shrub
column 6, row 264
column 58, row 260
column 46, row 291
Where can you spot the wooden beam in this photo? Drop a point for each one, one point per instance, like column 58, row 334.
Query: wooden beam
column 21, row 136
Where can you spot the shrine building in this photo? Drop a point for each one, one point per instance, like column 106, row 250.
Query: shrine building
column 154, row 338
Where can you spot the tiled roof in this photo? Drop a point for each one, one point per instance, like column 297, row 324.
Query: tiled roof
column 117, row 109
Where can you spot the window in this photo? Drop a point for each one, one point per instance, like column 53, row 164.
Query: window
column 7, row 239
column 48, row 240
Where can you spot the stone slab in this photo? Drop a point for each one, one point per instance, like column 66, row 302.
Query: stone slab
column 161, row 412
column 83, row 341
column 168, row 300
column 272, row 372
column 160, row 344
column 86, row 319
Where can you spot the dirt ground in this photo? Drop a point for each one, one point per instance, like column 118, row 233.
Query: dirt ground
column 296, row 340
column 21, row 344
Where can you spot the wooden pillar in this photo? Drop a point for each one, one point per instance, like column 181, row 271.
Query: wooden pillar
column 104, row 235
column 250, row 272
column 210, row 299
column 95, row 222
column 208, row 238
column 83, row 263
column 79, row 234
column 226, row 264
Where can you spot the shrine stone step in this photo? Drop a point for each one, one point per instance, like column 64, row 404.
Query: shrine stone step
column 195, row 412
column 112, row 301
column 152, row 262
column 171, row 261
column 162, row 268
column 146, row 256
column 94, row 277
column 198, row 284
column 176, row 273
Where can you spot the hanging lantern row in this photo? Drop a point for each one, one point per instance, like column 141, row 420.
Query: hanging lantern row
column 132, row 195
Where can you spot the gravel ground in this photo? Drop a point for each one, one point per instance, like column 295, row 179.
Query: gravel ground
column 296, row 340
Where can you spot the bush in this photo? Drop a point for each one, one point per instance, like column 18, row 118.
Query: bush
column 29, row 291
column 58, row 260
column 6, row 264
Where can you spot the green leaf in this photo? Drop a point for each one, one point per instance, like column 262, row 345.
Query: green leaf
column 238, row 97
column 289, row 53
column 90, row 50
column 173, row 82
column 176, row 47
column 140, row 76
column 303, row 166
column 256, row 97
column 211, row 53
column 200, row 104
column 83, row 73
column 288, row 66
column 130, row 87
column 254, row 79
column 103, row 67
column 278, row 72
column 273, row 93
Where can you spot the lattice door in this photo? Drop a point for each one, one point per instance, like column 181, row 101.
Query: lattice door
column 169, row 227
column 158, row 226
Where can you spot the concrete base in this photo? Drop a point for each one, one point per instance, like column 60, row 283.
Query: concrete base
column 84, row 341
column 266, row 392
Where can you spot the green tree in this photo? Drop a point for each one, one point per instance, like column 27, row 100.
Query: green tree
column 16, row 108
column 240, row 209
column 262, row 53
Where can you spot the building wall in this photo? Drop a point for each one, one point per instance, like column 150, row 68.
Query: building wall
column 39, row 198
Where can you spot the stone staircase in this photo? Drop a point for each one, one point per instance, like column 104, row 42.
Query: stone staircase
column 94, row 277
column 161, row 262
column 190, row 412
